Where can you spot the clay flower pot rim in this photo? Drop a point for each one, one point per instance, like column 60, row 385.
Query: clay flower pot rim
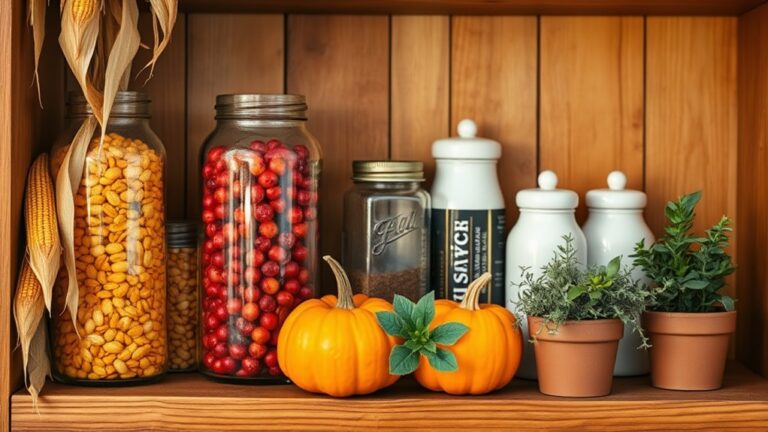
column 688, row 314
column 690, row 323
column 578, row 331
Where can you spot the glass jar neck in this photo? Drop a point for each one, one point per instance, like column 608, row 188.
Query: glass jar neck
column 400, row 186
column 251, row 124
column 127, row 104
column 264, row 110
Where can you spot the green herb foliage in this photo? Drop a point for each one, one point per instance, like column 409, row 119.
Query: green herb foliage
column 689, row 270
column 566, row 291
column 411, row 322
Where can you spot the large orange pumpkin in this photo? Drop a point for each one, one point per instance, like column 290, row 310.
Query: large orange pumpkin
column 335, row 346
column 487, row 355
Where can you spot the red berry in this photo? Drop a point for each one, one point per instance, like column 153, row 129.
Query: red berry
column 208, row 360
column 221, row 313
column 268, row 229
column 250, row 311
column 304, row 276
column 220, row 350
column 277, row 165
column 209, row 216
column 262, row 244
column 234, row 306
column 269, row 320
column 220, row 211
column 302, row 197
column 267, row 303
column 243, row 326
column 310, row 214
column 300, row 230
column 208, row 201
column 268, row 179
column 263, row 212
column 217, row 259
column 301, row 151
column 275, row 371
column 255, row 258
column 257, row 194
column 221, row 196
column 299, row 253
column 305, row 293
column 258, row 146
column 270, row 269
column 209, row 341
column 270, row 359
column 291, row 270
column 274, row 193
column 215, row 153
column 278, row 205
column 260, row 336
column 284, row 298
column 292, row 286
column 222, row 333
column 279, row 254
column 296, row 215
column 270, row 285
column 228, row 365
column 258, row 350
column 286, row 240
column 237, row 351
column 229, row 232
column 251, row 294
column 250, row 366
column 252, row 275
column 208, row 171
column 273, row 144
column 256, row 165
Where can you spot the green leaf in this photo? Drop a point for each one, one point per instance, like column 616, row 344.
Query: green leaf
column 402, row 360
column 430, row 346
column 412, row 345
column 448, row 333
column 727, row 303
column 442, row 360
column 575, row 292
column 613, row 267
column 392, row 324
column 424, row 311
column 696, row 284
column 404, row 309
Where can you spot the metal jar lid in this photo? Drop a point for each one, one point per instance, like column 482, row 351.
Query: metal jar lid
column 181, row 234
column 387, row 171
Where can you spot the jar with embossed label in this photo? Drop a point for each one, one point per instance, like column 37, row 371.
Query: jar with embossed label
column 385, row 247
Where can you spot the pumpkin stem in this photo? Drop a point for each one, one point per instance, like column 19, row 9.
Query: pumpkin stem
column 472, row 296
column 344, row 288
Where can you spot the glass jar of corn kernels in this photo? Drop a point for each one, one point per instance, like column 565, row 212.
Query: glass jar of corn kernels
column 118, row 334
column 181, row 271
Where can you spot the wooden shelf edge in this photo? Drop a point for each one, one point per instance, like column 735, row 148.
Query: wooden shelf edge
column 191, row 402
column 478, row 7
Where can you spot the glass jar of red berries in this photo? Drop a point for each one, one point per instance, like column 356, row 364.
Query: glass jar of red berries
column 260, row 169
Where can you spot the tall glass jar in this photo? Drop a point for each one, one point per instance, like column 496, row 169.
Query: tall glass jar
column 119, row 239
column 260, row 169
column 385, row 247
column 182, row 274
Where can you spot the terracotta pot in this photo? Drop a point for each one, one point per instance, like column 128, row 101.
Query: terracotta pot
column 578, row 360
column 689, row 350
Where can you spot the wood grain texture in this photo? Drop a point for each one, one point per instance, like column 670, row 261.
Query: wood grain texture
column 226, row 54
column 691, row 124
column 591, row 96
column 167, row 90
column 25, row 131
column 341, row 64
column 480, row 7
column 190, row 402
column 752, row 230
column 493, row 81
column 420, row 112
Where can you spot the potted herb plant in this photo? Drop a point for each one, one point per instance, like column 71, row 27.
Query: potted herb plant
column 576, row 318
column 689, row 321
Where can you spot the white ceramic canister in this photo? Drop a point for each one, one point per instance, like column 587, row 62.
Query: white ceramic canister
column 615, row 224
column 467, row 216
column 546, row 216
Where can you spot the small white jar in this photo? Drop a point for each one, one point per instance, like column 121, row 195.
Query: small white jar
column 546, row 216
column 614, row 226
column 468, row 220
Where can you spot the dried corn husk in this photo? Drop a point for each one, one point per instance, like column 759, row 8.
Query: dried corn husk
column 36, row 17
column 163, row 15
column 67, row 182
column 39, row 366
column 43, row 242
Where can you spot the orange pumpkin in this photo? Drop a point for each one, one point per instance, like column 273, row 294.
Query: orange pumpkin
column 335, row 346
column 487, row 355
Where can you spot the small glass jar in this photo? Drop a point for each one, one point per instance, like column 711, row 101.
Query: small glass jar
column 182, row 295
column 119, row 242
column 385, row 247
column 260, row 169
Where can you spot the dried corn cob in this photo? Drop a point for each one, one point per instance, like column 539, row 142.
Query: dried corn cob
column 83, row 10
column 42, row 227
column 28, row 308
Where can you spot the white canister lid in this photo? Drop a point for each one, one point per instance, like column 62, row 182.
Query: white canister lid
column 466, row 145
column 616, row 197
column 547, row 196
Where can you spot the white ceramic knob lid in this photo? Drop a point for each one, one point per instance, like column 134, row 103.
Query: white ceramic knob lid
column 467, row 145
column 616, row 196
column 547, row 196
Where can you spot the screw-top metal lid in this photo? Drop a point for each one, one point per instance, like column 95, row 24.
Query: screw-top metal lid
column 181, row 234
column 547, row 196
column 387, row 171
column 261, row 106
column 616, row 197
column 467, row 145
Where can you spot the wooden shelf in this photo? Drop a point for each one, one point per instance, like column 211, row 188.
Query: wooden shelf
column 192, row 402
column 479, row 7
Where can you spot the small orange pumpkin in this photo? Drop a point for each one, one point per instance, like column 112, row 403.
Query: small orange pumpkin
column 487, row 355
column 335, row 346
